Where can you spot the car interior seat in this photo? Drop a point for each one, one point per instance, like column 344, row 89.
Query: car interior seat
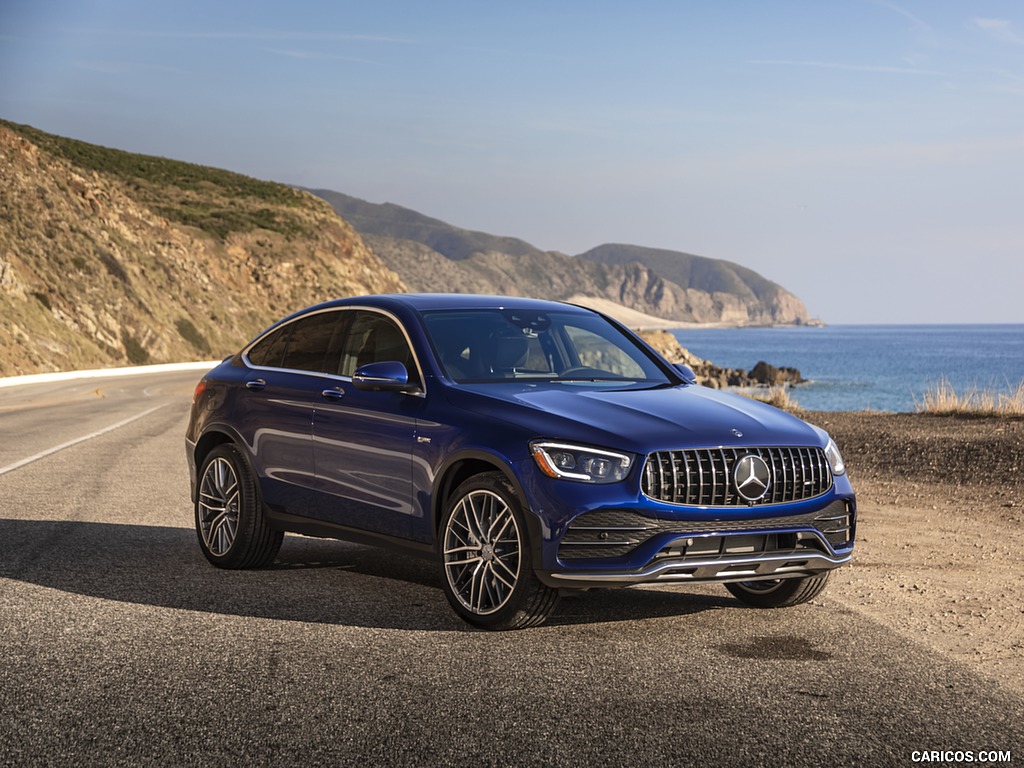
column 507, row 349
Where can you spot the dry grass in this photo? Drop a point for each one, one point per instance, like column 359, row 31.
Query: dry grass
column 942, row 399
column 777, row 396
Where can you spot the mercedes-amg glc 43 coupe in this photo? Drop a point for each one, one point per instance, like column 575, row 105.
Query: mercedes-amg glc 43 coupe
column 529, row 447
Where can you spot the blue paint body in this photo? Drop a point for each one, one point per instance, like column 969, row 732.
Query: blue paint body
column 333, row 459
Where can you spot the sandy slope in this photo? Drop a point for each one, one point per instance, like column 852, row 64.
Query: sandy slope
column 632, row 317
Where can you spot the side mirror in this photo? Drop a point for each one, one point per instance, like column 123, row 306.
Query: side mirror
column 686, row 372
column 390, row 376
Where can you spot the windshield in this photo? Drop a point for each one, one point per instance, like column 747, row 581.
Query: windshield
column 487, row 345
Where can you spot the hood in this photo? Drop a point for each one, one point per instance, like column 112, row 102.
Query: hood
column 638, row 420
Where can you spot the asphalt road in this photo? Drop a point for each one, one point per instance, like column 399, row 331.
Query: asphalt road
column 119, row 644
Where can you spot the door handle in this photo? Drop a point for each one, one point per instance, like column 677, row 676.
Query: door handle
column 256, row 385
column 333, row 394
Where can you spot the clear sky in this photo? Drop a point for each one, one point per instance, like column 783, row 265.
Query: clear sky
column 866, row 154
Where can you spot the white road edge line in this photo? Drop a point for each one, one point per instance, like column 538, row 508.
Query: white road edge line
column 46, row 378
column 76, row 441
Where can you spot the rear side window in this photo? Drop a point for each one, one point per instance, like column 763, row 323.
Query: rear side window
column 303, row 345
column 309, row 344
column 268, row 352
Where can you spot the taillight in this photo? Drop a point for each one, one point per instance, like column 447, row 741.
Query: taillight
column 200, row 388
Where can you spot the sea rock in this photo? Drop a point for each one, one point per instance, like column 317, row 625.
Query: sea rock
column 716, row 377
column 768, row 375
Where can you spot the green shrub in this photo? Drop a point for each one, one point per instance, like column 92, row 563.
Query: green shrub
column 192, row 335
column 157, row 170
column 216, row 201
column 134, row 351
column 113, row 266
column 43, row 299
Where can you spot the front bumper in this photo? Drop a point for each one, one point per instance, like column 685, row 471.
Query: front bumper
column 601, row 539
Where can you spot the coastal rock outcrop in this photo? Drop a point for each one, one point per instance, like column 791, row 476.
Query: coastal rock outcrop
column 768, row 375
column 716, row 377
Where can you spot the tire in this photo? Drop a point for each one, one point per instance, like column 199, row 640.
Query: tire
column 778, row 593
column 486, row 560
column 232, row 531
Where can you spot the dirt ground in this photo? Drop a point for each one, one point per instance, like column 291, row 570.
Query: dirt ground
column 940, row 529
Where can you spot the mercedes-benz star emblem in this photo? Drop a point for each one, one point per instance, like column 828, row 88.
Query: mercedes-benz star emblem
column 751, row 477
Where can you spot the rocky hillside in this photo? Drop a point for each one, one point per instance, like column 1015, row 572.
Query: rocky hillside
column 739, row 294
column 541, row 275
column 432, row 255
column 401, row 223
column 110, row 258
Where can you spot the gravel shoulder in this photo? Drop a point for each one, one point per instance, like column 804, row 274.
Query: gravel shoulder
column 940, row 523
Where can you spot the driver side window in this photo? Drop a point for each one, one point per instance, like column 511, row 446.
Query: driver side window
column 375, row 338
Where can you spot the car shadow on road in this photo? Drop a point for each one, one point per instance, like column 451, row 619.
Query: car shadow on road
column 313, row 580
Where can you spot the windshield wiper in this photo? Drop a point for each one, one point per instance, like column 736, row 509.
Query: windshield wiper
column 597, row 378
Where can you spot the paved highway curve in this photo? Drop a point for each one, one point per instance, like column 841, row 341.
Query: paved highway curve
column 121, row 645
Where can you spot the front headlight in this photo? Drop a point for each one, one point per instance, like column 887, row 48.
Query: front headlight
column 580, row 463
column 835, row 458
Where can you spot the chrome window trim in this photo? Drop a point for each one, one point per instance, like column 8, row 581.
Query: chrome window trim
column 333, row 376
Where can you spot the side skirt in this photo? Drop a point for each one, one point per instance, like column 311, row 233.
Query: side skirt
column 282, row 521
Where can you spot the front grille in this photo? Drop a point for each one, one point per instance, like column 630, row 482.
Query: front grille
column 614, row 533
column 704, row 477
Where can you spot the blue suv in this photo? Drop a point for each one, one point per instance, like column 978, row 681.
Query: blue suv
column 527, row 446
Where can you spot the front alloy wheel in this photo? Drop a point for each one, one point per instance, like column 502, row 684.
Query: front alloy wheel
column 486, row 560
column 778, row 593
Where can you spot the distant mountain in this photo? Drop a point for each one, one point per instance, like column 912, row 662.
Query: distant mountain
column 112, row 258
column 432, row 255
column 543, row 275
column 713, row 276
column 390, row 220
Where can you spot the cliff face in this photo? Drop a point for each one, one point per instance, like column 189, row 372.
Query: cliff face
column 540, row 275
column 155, row 261
column 714, row 290
column 432, row 255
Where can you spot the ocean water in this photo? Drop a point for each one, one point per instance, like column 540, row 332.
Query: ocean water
column 878, row 367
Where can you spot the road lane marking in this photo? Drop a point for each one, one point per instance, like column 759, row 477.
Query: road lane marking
column 76, row 441
column 40, row 378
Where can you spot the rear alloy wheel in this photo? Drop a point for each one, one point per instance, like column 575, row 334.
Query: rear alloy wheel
column 778, row 593
column 232, row 530
column 486, row 560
